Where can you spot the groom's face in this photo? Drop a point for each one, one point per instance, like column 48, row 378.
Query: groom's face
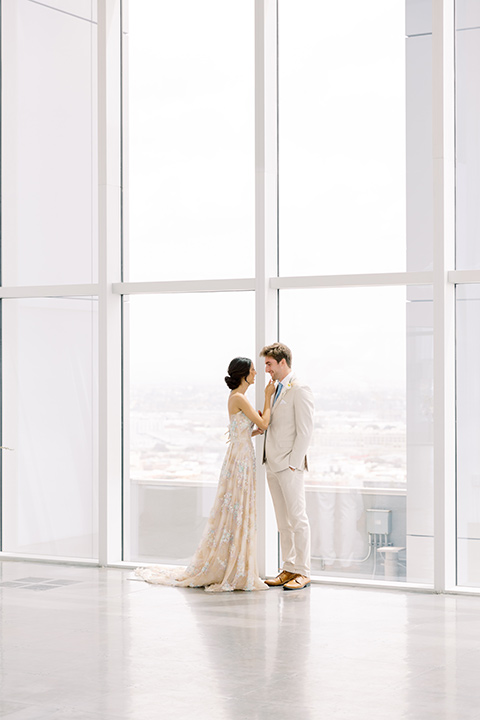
column 277, row 370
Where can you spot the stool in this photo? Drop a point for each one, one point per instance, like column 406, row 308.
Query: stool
column 390, row 555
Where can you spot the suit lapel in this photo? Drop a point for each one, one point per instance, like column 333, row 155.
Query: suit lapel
column 283, row 392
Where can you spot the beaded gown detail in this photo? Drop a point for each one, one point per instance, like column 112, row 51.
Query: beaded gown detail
column 226, row 557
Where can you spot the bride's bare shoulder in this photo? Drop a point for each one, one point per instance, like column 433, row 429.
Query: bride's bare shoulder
column 237, row 402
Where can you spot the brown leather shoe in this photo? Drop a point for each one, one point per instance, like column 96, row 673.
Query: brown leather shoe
column 281, row 579
column 298, row 583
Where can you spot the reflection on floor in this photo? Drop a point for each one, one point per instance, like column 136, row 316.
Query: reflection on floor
column 99, row 645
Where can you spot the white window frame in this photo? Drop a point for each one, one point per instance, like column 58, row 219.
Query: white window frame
column 111, row 287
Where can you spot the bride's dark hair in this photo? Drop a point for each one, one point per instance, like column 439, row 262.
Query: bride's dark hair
column 238, row 370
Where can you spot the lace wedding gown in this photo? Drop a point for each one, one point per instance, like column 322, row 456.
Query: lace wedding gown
column 225, row 559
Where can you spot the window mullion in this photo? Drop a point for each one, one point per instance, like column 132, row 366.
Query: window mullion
column 109, row 315
column 266, row 240
column 444, row 292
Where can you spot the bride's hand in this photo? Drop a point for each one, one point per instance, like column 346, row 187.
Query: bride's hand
column 270, row 390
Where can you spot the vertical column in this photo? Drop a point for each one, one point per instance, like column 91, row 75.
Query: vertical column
column 266, row 242
column 126, row 550
column 443, row 52
column 419, row 306
column 109, row 271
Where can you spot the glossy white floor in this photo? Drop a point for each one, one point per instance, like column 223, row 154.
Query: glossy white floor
column 91, row 643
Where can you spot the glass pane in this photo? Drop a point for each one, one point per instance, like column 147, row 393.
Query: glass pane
column 419, row 119
column 468, row 432
column 49, row 175
column 368, row 360
column 49, row 411
column 191, row 147
column 180, row 347
column 467, row 136
column 343, row 128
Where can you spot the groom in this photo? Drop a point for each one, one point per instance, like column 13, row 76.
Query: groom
column 285, row 454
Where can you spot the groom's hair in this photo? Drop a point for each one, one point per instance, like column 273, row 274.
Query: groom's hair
column 278, row 352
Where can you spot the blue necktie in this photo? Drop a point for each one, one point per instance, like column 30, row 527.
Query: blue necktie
column 277, row 393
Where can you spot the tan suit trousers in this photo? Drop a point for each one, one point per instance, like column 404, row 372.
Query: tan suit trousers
column 288, row 494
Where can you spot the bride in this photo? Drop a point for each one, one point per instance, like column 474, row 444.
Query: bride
column 226, row 559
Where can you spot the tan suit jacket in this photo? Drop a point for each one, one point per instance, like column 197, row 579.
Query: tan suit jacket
column 291, row 427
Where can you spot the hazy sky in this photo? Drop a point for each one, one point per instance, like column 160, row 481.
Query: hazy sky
column 342, row 181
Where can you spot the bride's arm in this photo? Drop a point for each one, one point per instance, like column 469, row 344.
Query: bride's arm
column 240, row 402
column 257, row 430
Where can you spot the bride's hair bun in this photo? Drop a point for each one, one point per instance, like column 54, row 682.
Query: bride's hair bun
column 232, row 383
column 238, row 370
